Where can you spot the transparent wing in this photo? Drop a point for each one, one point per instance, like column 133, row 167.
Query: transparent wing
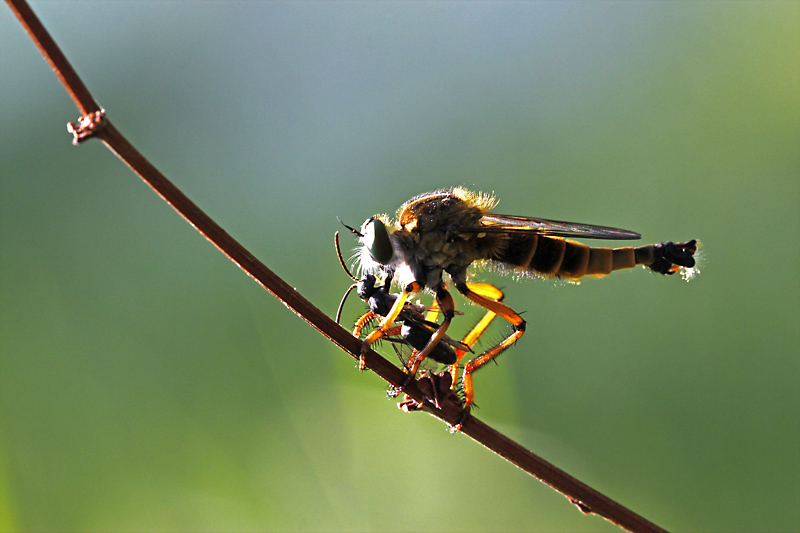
column 513, row 224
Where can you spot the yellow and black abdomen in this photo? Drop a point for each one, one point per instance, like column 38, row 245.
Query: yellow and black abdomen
column 562, row 258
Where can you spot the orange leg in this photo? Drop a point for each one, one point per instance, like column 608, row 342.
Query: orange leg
column 490, row 291
column 361, row 322
column 364, row 320
column 500, row 309
column 412, row 366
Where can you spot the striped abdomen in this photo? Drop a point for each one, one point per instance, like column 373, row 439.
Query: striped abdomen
column 571, row 260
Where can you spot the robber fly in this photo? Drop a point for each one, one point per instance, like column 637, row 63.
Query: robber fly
column 446, row 231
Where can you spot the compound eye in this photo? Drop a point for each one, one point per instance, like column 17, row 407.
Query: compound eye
column 376, row 239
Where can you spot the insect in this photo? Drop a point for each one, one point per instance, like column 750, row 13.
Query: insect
column 414, row 326
column 448, row 230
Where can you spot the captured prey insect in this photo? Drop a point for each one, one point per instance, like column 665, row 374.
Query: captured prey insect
column 446, row 231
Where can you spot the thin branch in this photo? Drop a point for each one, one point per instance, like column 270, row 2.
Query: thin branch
column 52, row 53
column 93, row 123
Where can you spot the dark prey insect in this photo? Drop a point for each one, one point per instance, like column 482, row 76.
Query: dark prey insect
column 448, row 230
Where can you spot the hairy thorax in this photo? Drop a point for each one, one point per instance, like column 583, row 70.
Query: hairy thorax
column 428, row 241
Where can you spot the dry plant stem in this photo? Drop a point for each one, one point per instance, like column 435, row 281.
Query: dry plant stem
column 586, row 498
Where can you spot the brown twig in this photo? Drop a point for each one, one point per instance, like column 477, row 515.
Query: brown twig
column 93, row 123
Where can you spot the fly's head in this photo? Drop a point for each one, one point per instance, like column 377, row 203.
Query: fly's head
column 377, row 248
column 376, row 253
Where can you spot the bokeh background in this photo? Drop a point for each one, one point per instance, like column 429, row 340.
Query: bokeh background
column 150, row 385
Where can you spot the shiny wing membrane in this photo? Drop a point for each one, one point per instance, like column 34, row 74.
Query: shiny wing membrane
column 556, row 228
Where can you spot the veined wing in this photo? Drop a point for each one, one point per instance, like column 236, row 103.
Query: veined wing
column 492, row 223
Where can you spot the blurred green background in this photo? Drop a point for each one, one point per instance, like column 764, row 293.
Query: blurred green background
column 150, row 385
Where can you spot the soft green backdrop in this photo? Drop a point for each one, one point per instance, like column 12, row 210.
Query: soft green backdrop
column 149, row 385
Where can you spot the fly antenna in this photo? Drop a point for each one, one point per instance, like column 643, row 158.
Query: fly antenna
column 339, row 253
column 341, row 262
column 341, row 304
column 348, row 227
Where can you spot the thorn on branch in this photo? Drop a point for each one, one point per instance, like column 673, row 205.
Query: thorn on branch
column 87, row 126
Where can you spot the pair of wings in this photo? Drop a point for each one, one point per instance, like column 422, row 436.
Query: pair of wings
column 491, row 223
